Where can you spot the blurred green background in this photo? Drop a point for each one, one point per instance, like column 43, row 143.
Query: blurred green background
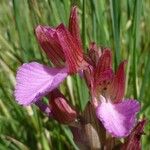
column 122, row 25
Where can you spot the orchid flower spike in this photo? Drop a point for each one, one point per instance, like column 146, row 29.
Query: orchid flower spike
column 64, row 48
column 117, row 114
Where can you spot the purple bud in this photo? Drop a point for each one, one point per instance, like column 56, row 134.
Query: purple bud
column 133, row 141
column 61, row 110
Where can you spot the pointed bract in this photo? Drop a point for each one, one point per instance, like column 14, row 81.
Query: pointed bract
column 61, row 110
column 133, row 141
column 118, row 119
column 74, row 25
column 35, row 80
column 88, row 75
column 117, row 87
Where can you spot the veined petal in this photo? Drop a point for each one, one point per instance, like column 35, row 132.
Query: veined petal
column 103, row 65
column 74, row 25
column 50, row 44
column 61, row 109
column 35, row 80
column 104, row 79
column 118, row 119
column 117, row 87
column 73, row 53
column 88, row 75
column 94, row 53
column 133, row 141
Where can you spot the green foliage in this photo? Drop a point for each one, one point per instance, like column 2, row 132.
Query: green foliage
column 124, row 26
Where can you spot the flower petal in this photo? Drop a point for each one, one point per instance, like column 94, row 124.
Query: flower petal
column 94, row 53
column 50, row 44
column 117, row 87
column 35, row 80
column 133, row 141
column 73, row 53
column 118, row 119
column 74, row 25
column 61, row 109
column 104, row 78
column 44, row 108
column 104, row 64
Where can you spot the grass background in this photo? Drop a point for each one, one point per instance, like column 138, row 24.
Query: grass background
column 124, row 26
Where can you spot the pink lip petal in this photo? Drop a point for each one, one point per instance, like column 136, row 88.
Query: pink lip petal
column 118, row 119
column 35, row 80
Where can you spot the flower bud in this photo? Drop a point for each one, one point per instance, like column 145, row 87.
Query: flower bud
column 133, row 141
column 61, row 110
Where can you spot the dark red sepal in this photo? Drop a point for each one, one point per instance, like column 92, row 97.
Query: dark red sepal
column 61, row 110
column 73, row 53
column 133, row 141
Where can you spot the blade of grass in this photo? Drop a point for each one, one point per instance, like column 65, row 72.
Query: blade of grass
column 68, row 133
column 24, row 27
column 115, row 16
column 135, row 36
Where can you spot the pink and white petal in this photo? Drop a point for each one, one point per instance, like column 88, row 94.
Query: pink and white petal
column 35, row 80
column 118, row 119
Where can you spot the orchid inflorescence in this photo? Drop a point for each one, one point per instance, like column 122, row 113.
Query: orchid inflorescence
column 115, row 115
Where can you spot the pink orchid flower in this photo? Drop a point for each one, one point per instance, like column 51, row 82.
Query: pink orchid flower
column 118, row 115
column 63, row 47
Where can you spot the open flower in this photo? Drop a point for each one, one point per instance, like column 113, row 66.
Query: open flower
column 63, row 47
column 118, row 115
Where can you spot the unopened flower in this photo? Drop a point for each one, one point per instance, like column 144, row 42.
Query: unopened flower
column 61, row 110
column 63, row 47
column 133, row 141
